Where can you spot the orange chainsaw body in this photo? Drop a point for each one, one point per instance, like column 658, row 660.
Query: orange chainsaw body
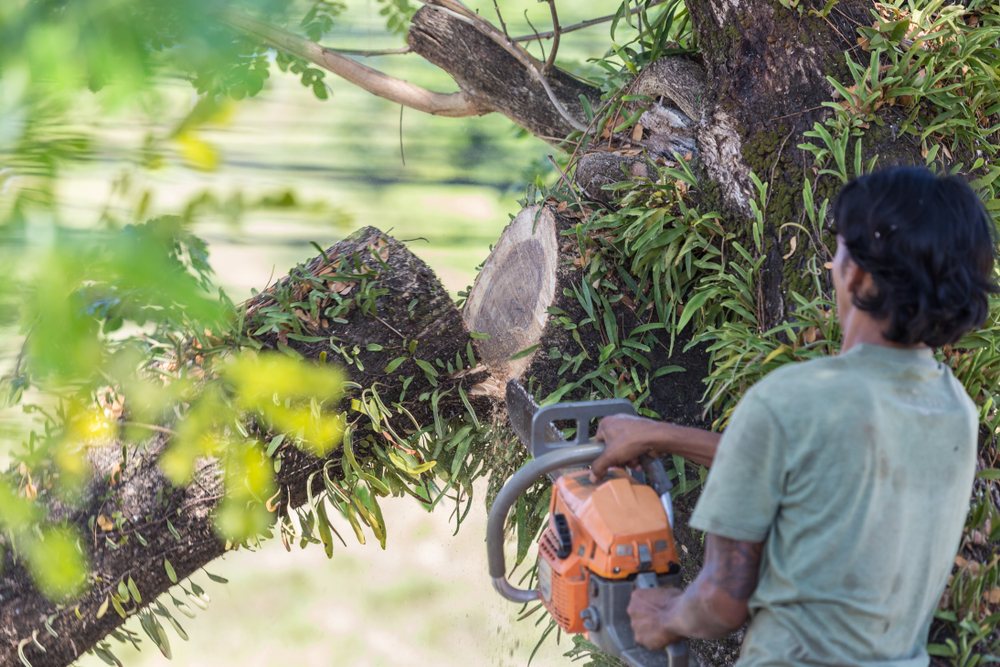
column 614, row 529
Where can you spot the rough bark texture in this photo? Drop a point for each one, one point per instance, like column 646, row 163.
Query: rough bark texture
column 488, row 73
column 147, row 500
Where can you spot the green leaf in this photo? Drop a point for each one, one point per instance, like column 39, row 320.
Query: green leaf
column 394, row 364
column 118, row 606
column 586, row 108
column 666, row 370
column 173, row 531
column 692, row 306
column 373, row 347
column 475, row 334
column 171, row 575
column 216, row 578
column 134, row 590
column 523, row 353
column 272, row 446
column 989, row 473
column 426, row 367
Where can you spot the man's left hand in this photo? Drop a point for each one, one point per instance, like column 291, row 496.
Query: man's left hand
column 649, row 610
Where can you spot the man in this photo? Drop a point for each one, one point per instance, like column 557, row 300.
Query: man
column 836, row 497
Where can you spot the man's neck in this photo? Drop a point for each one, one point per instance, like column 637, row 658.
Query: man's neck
column 859, row 327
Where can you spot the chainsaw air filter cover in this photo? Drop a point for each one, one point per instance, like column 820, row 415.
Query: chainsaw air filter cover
column 615, row 529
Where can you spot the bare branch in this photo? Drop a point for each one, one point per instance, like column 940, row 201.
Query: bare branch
column 454, row 105
column 556, row 31
column 367, row 53
column 500, row 16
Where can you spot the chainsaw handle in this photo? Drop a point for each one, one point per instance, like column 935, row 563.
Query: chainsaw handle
column 656, row 475
column 520, row 482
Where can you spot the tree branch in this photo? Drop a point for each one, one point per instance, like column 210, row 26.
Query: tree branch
column 556, row 31
column 454, row 105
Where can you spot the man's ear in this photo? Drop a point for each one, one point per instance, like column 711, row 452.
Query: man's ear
column 859, row 282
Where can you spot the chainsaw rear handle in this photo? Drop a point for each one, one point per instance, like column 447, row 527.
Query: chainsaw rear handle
column 520, row 482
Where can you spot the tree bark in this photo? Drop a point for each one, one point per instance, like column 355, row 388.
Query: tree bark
column 488, row 70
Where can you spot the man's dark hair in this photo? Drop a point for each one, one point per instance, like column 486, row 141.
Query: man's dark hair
column 930, row 247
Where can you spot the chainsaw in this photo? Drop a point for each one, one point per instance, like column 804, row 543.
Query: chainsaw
column 602, row 540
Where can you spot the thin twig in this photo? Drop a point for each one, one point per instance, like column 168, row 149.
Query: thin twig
column 798, row 113
column 388, row 325
column 778, row 159
column 580, row 26
column 151, row 427
column 556, row 30
column 540, row 45
column 500, row 16
column 382, row 52
column 568, row 183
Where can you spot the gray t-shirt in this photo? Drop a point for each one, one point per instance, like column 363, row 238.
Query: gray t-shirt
column 856, row 472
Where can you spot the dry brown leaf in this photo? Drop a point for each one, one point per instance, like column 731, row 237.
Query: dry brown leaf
column 810, row 335
column 562, row 206
column 828, row 266
column 637, row 132
column 271, row 504
column 992, row 596
column 30, row 491
column 960, row 561
column 793, row 242
column 105, row 523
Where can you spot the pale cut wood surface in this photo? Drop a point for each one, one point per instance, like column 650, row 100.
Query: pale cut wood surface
column 511, row 294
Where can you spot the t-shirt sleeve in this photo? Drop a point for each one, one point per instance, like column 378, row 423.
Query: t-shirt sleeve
column 745, row 484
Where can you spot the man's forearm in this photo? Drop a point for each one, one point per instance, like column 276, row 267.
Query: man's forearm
column 695, row 615
column 716, row 602
column 694, row 444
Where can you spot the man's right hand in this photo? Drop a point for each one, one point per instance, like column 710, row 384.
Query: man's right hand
column 626, row 438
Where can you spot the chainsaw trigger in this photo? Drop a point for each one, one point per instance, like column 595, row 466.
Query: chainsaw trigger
column 564, row 535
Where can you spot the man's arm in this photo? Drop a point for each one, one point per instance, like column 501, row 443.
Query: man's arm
column 627, row 438
column 713, row 606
